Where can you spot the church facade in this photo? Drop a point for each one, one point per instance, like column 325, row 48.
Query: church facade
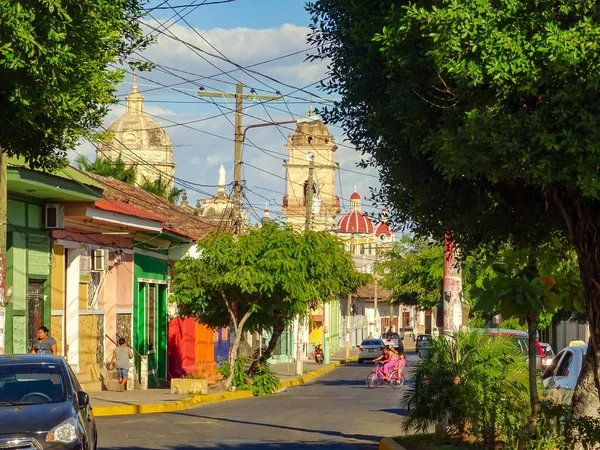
column 141, row 143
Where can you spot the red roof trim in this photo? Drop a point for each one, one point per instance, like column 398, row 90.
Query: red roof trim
column 124, row 208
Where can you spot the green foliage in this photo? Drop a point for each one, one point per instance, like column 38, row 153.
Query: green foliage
column 108, row 168
column 162, row 188
column 265, row 382
column 413, row 270
column 241, row 380
column 556, row 431
column 527, row 280
column 267, row 270
column 473, row 382
column 57, row 71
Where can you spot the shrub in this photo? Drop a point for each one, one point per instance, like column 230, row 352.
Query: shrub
column 474, row 384
column 240, row 378
column 556, row 431
column 265, row 382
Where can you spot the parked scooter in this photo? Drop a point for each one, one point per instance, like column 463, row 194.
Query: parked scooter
column 319, row 357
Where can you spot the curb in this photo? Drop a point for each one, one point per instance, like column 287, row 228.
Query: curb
column 389, row 444
column 124, row 410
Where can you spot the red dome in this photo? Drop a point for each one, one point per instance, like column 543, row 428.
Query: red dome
column 384, row 229
column 355, row 222
column 355, row 196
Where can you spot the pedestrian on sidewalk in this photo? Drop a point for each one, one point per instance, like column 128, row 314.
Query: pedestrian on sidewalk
column 46, row 344
column 120, row 358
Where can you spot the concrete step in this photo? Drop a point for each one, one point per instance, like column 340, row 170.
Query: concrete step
column 91, row 386
column 113, row 375
column 113, row 385
column 84, row 377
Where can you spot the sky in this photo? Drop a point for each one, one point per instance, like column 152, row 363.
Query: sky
column 245, row 32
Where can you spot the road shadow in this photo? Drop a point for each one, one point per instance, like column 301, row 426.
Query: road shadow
column 359, row 437
column 262, row 445
column 396, row 411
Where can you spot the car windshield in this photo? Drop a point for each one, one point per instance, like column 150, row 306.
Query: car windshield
column 373, row 342
column 390, row 336
column 30, row 384
column 423, row 337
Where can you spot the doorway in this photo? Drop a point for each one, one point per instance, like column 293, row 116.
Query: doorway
column 35, row 310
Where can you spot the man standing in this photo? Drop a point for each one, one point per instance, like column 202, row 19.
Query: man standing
column 46, row 344
column 120, row 358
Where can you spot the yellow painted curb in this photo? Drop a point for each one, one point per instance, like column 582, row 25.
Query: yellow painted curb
column 389, row 444
column 124, row 410
column 100, row 411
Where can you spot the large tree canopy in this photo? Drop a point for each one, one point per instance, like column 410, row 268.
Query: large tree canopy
column 58, row 73
column 483, row 118
column 262, row 279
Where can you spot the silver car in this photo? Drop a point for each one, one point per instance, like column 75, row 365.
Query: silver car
column 369, row 349
column 561, row 375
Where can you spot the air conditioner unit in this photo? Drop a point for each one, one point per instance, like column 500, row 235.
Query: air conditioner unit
column 55, row 216
column 100, row 260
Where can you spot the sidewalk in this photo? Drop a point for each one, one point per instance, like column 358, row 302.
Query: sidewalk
column 109, row 403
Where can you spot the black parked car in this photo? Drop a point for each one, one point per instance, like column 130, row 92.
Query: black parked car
column 42, row 406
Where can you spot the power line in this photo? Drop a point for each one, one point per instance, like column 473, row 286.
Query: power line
column 206, row 3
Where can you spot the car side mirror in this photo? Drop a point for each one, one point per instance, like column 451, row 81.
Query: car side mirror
column 83, row 399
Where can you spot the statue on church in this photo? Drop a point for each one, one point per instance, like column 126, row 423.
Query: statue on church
column 221, row 176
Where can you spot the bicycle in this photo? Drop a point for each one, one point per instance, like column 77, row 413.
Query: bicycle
column 395, row 378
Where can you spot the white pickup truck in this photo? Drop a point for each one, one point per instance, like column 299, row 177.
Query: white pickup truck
column 393, row 340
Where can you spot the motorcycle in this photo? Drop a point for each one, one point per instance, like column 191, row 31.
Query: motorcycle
column 319, row 358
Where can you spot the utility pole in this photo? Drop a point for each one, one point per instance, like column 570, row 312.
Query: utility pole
column 239, row 97
column 307, row 226
column 309, row 193
column 3, row 231
column 376, row 312
column 348, row 307
column 452, row 305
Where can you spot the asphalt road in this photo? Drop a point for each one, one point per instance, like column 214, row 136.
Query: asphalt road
column 336, row 411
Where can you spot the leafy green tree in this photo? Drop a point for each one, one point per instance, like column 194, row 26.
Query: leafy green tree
column 107, row 168
column 57, row 71
column 162, row 188
column 250, row 277
column 484, row 120
column 530, row 283
column 413, row 269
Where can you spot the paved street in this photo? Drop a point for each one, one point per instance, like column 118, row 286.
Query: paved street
column 336, row 411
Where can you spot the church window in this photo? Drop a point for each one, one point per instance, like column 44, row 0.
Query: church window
column 310, row 139
column 362, row 249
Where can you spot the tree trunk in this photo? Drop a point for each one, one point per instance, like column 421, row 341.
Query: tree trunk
column 534, row 399
column 582, row 216
column 239, row 329
column 277, row 332
column 300, row 348
column 585, row 401
column 529, row 428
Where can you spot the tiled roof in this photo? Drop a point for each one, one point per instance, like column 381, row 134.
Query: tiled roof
column 355, row 222
column 174, row 218
column 368, row 292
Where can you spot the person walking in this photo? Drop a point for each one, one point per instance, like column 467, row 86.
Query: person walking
column 46, row 344
column 120, row 358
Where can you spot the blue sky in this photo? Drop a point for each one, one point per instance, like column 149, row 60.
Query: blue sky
column 245, row 13
column 247, row 32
